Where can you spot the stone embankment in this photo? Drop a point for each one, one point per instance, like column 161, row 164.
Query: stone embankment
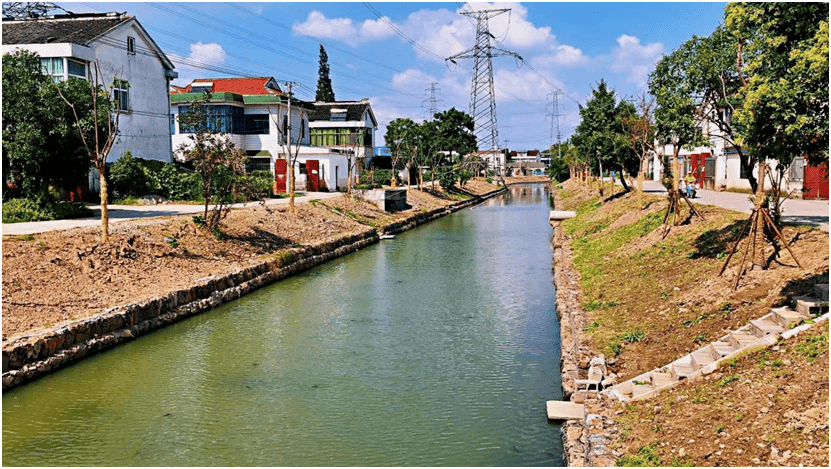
column 31, row 356
column 584, row 440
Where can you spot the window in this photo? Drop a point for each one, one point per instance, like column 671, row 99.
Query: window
column 121, row 93
column 219, row 119
column 76, row 69
column 256, row 124
column 131, row 45
column 53, row 66
column 797, row 169
column 200, row 89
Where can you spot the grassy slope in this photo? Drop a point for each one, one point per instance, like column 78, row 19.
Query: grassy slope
column 651, row 299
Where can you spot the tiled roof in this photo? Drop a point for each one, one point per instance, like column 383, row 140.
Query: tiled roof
column 245, row 86
column 354, row 110
column 75, row 29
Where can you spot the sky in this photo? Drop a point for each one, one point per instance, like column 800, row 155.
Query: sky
column 391, row 53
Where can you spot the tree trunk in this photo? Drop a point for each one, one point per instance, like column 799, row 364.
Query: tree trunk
column 640, row 181
column 349, row 175
column 759, row 226
column 600, row 182
column 105, row 214
column 291, row 187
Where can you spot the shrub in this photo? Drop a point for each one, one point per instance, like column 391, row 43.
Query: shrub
column 68, row 210
column 176, row 185
column 257, row 185
column 128, row 177
column 377, row 177
column 447, row 178
column 20, row 210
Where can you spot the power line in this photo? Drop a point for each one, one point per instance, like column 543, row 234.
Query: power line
column 398, row 31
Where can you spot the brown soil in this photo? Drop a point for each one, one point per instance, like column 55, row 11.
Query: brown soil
column 59, row 276
column 767, row 409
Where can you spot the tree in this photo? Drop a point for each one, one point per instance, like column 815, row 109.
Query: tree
column 782, row 64
column 402, row 138
column 324, row 91
column 96, row 123
column 221, row 167
column 641, row 132
column 601, row 136
column 40, row 147
column 677, row 117
column 284, row 128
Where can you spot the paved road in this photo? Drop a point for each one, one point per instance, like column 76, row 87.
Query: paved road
column 802, row 212
column 121, row 213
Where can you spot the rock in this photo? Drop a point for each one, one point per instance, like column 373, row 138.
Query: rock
column 682, row 452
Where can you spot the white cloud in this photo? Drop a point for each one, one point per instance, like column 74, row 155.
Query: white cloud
column 342, row 29
column 563, row 56
column 209, row 54
column 635, row 59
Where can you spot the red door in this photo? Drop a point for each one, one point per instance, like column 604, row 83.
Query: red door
column 280, row 176
column 702, row 167
column 816, row 182
column 313, row 175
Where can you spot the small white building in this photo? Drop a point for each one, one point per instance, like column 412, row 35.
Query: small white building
column 495, row 160
column 253, row 113
column 345, row 127
column 128, row 58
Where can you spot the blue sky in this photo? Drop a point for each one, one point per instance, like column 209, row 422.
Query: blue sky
column 572, row 45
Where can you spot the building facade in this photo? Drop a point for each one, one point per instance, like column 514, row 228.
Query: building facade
column 128, row 59
column 253, row 113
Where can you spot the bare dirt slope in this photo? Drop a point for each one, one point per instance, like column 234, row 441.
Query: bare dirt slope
column 66, row 275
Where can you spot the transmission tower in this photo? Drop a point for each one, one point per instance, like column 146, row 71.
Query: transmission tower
column 24, row 10
column 432, row 100
column 555, row 120
column 482, row 98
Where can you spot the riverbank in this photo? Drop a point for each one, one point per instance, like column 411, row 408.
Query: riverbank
column 646, row 300
column 158, row 271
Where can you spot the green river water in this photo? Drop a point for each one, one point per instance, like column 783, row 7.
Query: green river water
column 437, row 348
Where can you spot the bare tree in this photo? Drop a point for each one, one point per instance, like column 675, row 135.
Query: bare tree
column 98, row 129
column 291, row 154
column 641, row 132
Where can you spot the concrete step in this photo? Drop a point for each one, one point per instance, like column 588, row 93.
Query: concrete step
column 740, row 338
column 785, row 316
column 810, row 306
column 821, row 291
column 764, row 326
column 723, row 347
column 704, row 356
column 639, row 390
column 683, row 367
column 659, row 378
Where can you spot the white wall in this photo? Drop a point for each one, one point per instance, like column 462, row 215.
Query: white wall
column 145, row 131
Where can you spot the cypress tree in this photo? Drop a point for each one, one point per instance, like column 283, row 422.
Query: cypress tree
column 324, row 83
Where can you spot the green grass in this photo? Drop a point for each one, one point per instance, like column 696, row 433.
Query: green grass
column 813, row 346
column 646, row 457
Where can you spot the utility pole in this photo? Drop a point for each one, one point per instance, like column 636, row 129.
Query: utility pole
column 482, row 97
column 432, row 99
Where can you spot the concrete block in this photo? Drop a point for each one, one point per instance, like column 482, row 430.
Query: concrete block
column 810, row 306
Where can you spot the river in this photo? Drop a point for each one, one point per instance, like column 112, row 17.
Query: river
column 437, row 348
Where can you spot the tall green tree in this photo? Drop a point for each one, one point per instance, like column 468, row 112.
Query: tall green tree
column 454, row 131
column 601, row 135
column 40, row 148
column 783, row 63
column 324, row 91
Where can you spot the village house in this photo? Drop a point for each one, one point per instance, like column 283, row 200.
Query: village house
column 253, row 113
column 129, row 60
column 346, row 127
column 495, row 160
column 719, row 168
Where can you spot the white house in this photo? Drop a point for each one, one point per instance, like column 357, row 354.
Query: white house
column 253, row 113
column 345, row 127
column 128, row 58
column 495, row 160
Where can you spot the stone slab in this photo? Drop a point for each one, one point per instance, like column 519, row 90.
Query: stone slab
column 563, row 410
